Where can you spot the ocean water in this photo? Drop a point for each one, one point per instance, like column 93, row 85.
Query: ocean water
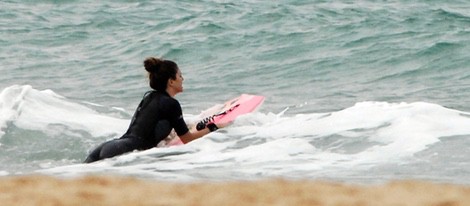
column 356, row 91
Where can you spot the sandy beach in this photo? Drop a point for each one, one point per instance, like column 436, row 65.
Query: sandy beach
column 98, row 190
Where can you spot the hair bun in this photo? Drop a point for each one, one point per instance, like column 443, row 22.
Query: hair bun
column 152, row 64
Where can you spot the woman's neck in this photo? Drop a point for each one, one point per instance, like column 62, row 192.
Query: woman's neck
column 171, row 92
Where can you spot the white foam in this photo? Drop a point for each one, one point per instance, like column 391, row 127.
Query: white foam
column 275, row 144
column 402, row 129
column 399, row 131
column 32, row 109
column 10, row 101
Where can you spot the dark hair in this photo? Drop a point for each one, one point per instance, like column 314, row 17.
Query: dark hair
column 160, row 71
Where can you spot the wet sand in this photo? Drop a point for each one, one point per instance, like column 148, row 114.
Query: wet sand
column 94, row 190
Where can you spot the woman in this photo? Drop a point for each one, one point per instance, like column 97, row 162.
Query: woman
column 156, row 115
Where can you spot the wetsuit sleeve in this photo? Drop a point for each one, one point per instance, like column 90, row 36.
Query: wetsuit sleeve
column 177, row 121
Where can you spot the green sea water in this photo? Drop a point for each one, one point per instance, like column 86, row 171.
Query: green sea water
column 331, row 54
column 312, row 57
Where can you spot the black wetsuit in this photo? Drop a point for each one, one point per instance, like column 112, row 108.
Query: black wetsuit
column 152, row 122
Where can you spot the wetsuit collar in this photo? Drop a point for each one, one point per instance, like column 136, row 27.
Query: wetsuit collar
column 163, row 92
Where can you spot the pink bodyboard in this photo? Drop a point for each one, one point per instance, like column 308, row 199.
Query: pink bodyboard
column 244, row 104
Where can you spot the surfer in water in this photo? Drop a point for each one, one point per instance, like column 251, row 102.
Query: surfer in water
column 157, row 114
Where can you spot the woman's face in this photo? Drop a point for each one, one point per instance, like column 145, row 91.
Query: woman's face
column 177, row 83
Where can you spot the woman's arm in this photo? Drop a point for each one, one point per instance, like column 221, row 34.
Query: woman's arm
column 193, row 133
